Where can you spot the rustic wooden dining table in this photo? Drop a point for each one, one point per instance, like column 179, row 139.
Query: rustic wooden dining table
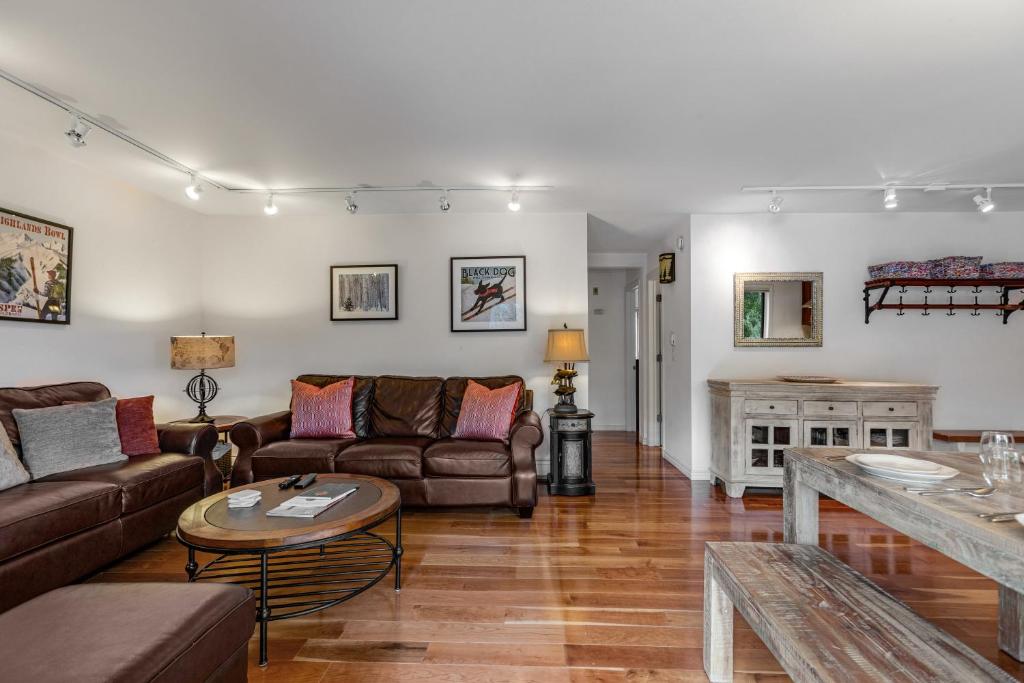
column 947, row 523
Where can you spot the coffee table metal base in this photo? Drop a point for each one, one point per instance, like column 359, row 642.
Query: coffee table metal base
column 296, row 580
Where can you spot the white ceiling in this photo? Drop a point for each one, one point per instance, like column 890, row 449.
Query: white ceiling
column 628, row 108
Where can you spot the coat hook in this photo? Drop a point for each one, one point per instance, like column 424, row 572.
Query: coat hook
column 951, row 290
column 976, row 290
column 928, row 289
column 925, row 311
column 901, row 312
column 976, row 313
column 903, row 289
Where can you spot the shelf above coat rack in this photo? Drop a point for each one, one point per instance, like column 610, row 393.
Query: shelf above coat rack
column 949, row 288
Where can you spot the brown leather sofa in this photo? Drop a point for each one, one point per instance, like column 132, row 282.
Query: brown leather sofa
column 404, row 428
column 63, row 527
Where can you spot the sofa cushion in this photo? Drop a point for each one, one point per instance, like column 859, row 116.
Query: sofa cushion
column 387, row 457
column 38, row 513
column 45, row 397
column 406, row 406
column 455, row 389
column 322, row 412
column 487, row 414
column 144, row 480
column 462, row 458
column 302, row 456
column 156, row 632
column 361, row 395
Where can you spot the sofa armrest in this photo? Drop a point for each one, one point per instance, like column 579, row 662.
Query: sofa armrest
column 194, row 438
column 251, row 435
column 524, row 437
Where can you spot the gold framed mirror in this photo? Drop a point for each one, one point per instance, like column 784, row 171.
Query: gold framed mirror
column 777, row 309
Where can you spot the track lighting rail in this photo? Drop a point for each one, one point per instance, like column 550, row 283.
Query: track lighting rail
column 933, row 187
column 197, row 179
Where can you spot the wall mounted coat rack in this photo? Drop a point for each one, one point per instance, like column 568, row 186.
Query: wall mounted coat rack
column 953, row 288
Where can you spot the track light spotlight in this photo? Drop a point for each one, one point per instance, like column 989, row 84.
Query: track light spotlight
column 77, row 132
column 270, row 208
column 985, row 204
column 194, row 188
column 889, row 201
column 350, row 205
column 775, row 205
column 444, row 203
column 513, row 204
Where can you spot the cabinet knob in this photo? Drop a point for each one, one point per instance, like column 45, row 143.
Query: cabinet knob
column 891, row 409
column 831, row 407
column 771, row 407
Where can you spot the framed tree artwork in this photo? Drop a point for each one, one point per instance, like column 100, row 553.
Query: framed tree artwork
column 488, row 293
column 364, row 292
column 35, row 269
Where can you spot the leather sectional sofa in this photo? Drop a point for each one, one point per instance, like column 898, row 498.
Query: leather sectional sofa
column 60, row 528
column 404, row 428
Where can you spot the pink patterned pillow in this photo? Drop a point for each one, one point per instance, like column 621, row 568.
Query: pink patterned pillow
column 322, row 413
column 487, row 413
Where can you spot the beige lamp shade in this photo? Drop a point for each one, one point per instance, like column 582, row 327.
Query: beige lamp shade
column 202, row 352
column 566, row 346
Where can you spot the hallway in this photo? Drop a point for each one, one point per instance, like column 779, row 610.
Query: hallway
column 603, row 589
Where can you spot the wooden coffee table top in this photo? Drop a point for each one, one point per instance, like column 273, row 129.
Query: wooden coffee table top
column 210, row 524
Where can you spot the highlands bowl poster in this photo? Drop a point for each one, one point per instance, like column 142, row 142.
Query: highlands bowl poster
column 488, row 294
column 35, row 269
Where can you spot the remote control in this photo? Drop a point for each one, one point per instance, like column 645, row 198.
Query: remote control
column 289, row 482
column 305, row 481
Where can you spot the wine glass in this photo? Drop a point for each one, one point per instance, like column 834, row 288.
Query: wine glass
column 1000, row 461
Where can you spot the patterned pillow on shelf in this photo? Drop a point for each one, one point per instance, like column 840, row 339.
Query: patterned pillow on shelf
column 1005, row 270
column 956, row 267
column 900, row 269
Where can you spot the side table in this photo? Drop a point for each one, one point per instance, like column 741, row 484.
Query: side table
column 570, row 454
column 222, row 452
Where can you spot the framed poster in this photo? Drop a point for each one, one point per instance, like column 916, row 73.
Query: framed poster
column 364, row 292
column 35, row 269
column 488, row 293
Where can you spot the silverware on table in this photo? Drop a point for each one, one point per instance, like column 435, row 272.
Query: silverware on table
column 999, row 516
column 975, row 491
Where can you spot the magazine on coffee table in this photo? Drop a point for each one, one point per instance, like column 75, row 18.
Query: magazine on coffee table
column 312, row 503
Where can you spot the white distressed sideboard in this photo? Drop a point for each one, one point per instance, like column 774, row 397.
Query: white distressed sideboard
column 754, row 420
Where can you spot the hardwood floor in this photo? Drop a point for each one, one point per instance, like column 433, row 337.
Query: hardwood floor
column 605, row 589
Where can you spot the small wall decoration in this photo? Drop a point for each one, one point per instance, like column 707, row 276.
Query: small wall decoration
column 364, row 292
column 35, row 269
column 488, row 293
column 666, row 268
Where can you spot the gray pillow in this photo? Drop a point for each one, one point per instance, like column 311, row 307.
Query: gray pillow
column 69, row 437
column 12, row 472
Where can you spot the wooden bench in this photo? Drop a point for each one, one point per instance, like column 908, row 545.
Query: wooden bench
column 824, row 621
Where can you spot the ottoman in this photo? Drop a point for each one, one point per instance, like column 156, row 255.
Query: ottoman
column 129, row 632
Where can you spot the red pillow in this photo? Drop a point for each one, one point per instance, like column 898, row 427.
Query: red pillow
column 487, row 413
column 136, row 426
column 322, row 413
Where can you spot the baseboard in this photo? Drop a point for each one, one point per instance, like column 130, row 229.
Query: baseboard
column 608, row 428
column 692, row 475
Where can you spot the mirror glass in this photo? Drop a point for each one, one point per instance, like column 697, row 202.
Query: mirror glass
column 778, row 309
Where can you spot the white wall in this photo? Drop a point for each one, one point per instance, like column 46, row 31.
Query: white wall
column 265, row 280
column 607, row 346
column 976, row 361
column 134, row 281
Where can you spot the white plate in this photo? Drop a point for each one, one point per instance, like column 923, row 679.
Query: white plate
column 900, row 468
column 1020, row 519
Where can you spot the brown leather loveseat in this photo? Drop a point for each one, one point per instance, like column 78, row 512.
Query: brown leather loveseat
column 404, row 428
column 61, row 528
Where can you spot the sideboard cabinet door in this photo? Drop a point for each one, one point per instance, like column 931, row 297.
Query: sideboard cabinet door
column 765, row 442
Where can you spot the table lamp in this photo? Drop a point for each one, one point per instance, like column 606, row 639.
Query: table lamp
column 567, row 347
column 202, row 353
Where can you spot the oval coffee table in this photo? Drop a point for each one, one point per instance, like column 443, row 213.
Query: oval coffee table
column 296, row 566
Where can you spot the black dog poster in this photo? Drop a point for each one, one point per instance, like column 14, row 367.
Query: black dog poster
column 488, row 293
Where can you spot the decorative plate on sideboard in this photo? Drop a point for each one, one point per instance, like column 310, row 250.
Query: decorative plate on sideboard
column 809, row 379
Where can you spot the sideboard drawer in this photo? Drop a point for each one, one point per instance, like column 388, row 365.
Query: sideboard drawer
column 890, row 408
column 829, row 408
column 572, row 425
column 769, row 407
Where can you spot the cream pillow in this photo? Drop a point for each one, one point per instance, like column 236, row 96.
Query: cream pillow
column 12, row 472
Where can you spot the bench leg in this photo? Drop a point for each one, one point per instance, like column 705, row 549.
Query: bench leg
column 717, row 627
column 1011, row 622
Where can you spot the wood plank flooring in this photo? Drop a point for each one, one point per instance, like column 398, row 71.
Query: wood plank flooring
column 605, row 589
